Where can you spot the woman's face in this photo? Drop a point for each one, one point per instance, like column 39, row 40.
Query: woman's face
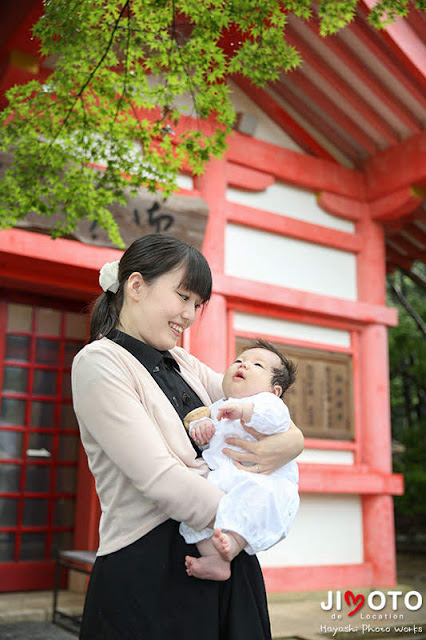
column 158, row 313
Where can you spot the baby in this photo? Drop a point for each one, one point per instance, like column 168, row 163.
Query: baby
column 257, row 510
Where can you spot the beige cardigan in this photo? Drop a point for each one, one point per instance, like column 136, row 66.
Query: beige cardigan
column 144, row 465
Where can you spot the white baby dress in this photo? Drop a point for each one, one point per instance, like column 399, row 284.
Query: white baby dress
column 261, row 508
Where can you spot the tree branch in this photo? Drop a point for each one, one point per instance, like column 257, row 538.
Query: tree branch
column 92, row 73
column 126, row 73
column 407, row 306
column 414, row 275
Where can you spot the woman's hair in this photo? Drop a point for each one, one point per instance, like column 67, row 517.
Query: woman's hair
column 152, row 256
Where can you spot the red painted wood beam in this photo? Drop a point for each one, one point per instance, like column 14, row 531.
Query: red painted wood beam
column 339, row 84
column 397, row 167
column 294, row 167
column 420, row 216
column 397, row 259
column 342, row 207
column 326, row 478
column 282, row 119
column 328, row 129
column 405, row 43
column 313, row 303
column 25, row 244
column 415, row 232
column 417, row 22
column 12, row 15
column 346, row 55
column 378, row 48
column 22, row 38
column 321, row 100
column 292, row 228
column 410, row 250
column 248, row 179
column 397, row 225
column 397, row 204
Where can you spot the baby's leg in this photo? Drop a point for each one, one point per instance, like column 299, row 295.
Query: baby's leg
column 227, row 543
column 216, row 555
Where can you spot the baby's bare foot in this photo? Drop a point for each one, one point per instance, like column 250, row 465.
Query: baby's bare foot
column 208, row 567
column 226, row 544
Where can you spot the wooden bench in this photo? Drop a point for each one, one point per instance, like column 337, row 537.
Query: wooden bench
column 81, row 561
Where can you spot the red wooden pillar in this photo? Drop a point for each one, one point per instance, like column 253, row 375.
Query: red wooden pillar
column 376, row 453
column 209, row 334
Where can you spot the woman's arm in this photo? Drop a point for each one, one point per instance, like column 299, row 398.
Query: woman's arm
column 109, row 409
column 269, row 453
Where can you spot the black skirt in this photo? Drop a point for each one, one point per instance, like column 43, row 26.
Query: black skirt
column 142, row 592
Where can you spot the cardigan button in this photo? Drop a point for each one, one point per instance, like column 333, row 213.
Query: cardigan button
column 186, row 398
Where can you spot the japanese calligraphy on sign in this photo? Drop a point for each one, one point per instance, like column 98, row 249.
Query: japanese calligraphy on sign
column 182, row 216
column 321, row 399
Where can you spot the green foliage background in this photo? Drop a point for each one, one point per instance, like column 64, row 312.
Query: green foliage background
column 121, row 71
column 407, row 353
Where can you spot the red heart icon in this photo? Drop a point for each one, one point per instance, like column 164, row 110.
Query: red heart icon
column 351, row 599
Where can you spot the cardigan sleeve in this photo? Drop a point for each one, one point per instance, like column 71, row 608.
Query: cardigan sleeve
column 108, row 407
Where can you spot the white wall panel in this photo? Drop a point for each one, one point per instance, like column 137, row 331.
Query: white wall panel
column 185, row 182
column 266, row 129
column 292, row 202
column 327, row 531
column 326, row 456
column 265, row 325
column 274, row 259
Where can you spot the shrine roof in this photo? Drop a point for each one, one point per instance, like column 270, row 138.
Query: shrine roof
column 358, row 99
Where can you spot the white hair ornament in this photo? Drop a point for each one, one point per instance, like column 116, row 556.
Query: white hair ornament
column 108, row 276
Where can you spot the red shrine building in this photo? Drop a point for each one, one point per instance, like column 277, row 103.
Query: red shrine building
column 320, row 193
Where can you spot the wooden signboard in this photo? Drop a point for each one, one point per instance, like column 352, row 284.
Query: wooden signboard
column 321, row 399
column 184, row 217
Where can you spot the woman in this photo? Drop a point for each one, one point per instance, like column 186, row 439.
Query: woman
column 130, row 396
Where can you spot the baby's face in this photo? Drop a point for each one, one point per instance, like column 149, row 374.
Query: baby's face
column 250, row 373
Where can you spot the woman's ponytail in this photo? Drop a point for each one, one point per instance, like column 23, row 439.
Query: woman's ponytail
column 104, row 316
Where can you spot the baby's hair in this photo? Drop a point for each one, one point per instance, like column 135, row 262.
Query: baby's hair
column 285, row 375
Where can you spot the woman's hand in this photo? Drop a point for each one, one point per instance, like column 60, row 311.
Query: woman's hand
column 269, row 453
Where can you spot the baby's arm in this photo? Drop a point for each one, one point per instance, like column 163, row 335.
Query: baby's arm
column 196, row 414
column 270, row 414
column 236, row 410
column 199, row 425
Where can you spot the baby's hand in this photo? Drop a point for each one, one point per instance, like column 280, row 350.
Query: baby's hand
column 235, row 410
column 202, row 431
column 196, row 414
